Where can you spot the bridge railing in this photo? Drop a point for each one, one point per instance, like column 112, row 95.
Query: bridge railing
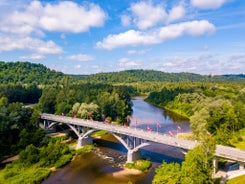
column 221, row 151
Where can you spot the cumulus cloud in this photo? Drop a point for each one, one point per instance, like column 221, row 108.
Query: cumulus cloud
column 207, row 4
column 176, row 13
column 51, row 17
column 81, row 57
column 75, row 19
column 28, row 43
column 205, row 64
column 22, row 22
column 125, row 63
column 147, row 15
column 24, row 28
column 173, row 31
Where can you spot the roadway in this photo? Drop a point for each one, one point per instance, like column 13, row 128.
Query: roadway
column 221, row 151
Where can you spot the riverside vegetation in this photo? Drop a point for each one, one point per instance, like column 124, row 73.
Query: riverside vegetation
column 214, row 105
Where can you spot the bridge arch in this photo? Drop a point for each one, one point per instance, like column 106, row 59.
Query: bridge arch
column 53, row 124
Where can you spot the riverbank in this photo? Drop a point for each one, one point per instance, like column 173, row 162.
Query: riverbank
column 170, row 111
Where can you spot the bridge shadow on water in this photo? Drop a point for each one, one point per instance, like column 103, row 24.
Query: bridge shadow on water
column 157, row 155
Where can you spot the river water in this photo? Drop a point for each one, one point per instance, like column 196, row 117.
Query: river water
column 103, row 165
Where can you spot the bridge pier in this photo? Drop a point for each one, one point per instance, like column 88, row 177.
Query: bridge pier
column 82, row 141
column 241, row 165
column 133, row 155
column 215, row 165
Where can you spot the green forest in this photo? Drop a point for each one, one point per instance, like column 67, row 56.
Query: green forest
column 215, row 106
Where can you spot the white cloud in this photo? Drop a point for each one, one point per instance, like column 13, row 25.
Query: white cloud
column 207, row 4
column 126, row 20
column 24, row 27
column 78, row 66
column 22, row 22
column 176, row 13
column 70, row 17
column 28, row 43
column 147, row 15
column 126, row 63
column 205, row 64
column 129, row 38
column 134, row 38
column 33, row 57
column 139, row 52
column 65, row 16
column 81, row 57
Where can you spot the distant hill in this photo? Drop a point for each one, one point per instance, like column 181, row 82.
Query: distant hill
column 27, row 73
column 130, row 76
column 30, row 73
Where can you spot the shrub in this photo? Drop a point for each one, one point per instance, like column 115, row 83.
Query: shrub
column 63, row 160
column 84, row 149
column 141, row 165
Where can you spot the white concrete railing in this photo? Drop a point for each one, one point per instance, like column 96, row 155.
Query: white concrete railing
column 221, row 151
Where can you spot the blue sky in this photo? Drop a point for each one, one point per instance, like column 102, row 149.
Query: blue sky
column 86, row 37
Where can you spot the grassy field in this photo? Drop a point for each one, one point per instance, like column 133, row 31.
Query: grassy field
column 237, row 180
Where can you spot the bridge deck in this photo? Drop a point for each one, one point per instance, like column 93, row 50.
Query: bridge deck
column 221, row 151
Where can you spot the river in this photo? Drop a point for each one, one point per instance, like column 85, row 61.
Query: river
column 104, row 165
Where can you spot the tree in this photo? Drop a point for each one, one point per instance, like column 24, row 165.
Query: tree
column 197, row 167
column 198, row 122
column 88, row 110
column 30, row 155
column 47, row 100
column 167, row 173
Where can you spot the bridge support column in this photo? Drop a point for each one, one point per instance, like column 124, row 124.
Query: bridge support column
column 241, row 165
column 133, row 155
column 82, row 141
column 215, row 165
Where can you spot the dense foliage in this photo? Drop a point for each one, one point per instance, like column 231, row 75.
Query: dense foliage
column 27, row 73
column 18, row 127
column 97, row 101
column 197, row 167
column 216, row 108
column 34, row 163
column 136, row 76
column 18, row 93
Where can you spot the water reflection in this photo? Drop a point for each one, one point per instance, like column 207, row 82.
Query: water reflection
column 147, row 115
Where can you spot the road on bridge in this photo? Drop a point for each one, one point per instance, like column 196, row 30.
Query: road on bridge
column 221, row 151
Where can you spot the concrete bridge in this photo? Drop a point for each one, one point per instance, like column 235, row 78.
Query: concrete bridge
column 133, row 139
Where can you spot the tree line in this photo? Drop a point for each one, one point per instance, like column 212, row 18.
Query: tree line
column 97, row 101
column 216, row 108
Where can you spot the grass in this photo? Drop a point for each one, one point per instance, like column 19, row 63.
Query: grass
column 99, row 133
column 20, row 172
column 84, row 149
column 237, row 180
column 17, row 173
column 142, row 165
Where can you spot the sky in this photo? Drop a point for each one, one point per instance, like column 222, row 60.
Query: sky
column 87, row 37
